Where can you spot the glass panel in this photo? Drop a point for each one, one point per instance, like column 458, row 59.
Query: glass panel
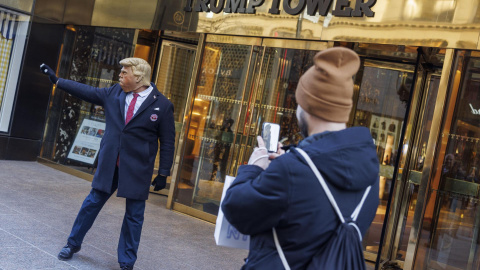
column 417, row 161
column 91, row 56
column 390, row 241
column 215, row 119
column 449, row 236
column 282, row 70
column 275, row 97
column 381, row 106
column 247, row 126
column 173, row 81
column 13, row 35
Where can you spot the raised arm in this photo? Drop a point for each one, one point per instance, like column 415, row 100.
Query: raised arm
column 85, row 92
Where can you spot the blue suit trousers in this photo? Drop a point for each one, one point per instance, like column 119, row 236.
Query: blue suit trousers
column 131, row 227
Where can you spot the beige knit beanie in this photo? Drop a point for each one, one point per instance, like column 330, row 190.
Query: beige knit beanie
column 326, row 89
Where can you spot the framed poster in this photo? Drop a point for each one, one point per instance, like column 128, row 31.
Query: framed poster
column 87, row 142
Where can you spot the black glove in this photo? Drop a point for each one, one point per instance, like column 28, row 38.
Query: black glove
column 159, row 182
column 48, row 71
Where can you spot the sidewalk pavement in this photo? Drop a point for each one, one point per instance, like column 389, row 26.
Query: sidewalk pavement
column 38, row 205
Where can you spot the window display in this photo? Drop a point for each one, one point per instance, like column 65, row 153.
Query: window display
column 13, row 32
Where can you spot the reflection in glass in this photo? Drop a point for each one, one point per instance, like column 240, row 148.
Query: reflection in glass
column 237, row 91
column 213, row 122
column 417, row 162
column 449, row 236
column 381, row 106
column 173, row 81
column 282, row 69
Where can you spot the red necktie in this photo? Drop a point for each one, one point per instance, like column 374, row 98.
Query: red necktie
column 131, row 107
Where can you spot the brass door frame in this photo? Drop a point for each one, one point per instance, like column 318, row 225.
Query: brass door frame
column 173, row 44
column 242, row 147
column 188, row 108
column 429, row 158
column 393, row 227
column 182, row 46
column 239, row 40
column 452, row 185
column 250, row 42
column 396, row 66
column 295, row 44
column 411, row 155
column 193, row 84
column 274, row 43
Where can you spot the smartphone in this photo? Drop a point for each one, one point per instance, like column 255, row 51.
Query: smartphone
column 270, row 135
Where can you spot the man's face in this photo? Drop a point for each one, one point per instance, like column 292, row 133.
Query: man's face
column 302, row 122
column 128, row 81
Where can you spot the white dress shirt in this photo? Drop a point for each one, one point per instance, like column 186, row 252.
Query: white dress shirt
column 142, row 96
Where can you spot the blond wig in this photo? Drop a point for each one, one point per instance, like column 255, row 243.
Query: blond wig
column 140, row 69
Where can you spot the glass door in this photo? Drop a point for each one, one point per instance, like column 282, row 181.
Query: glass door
column 242, row 83
column 173, row 80
column 415, row 170
column 273, row 98
column 382, row 98
column 217, row 124
column 409, row 193
column 449, row 235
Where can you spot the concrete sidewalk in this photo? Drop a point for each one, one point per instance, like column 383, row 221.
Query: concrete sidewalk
column 38, row 205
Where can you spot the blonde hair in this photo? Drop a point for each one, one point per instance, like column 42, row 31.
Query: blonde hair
column 140, row 68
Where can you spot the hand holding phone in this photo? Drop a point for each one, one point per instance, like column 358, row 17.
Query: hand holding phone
column 270, row 135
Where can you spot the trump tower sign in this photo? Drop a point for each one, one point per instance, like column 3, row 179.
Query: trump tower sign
column 342, row 7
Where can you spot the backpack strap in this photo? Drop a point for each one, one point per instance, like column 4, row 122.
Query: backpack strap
column 330, row 197
column 329, row 194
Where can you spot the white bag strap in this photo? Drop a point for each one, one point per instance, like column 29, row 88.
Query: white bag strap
column 279, row 250
column 319, row 176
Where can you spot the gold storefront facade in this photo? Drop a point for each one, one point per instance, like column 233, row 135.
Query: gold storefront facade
column 227, row 73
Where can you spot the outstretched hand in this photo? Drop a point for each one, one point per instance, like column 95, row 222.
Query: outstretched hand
column 49, row 72
column 160, row 182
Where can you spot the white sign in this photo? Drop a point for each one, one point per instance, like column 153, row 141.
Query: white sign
column 87, row 142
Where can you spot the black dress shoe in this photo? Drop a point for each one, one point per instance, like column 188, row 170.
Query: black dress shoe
column 126, row 267
column 67, row 252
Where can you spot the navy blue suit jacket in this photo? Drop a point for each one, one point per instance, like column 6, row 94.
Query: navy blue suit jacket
column 136, row 143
